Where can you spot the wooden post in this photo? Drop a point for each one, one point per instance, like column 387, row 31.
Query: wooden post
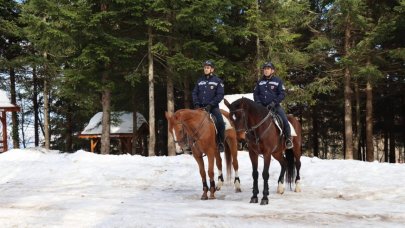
column 4, row 125
column 93, row 144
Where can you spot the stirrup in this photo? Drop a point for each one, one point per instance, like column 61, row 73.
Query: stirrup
column 221, row 147
column 288, row 143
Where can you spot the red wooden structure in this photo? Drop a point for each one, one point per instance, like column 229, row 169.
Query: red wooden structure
column 5, row 106
column 120, row 130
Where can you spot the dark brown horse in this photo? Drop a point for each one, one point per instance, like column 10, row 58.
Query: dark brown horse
column 264, row 138
column 195, row 129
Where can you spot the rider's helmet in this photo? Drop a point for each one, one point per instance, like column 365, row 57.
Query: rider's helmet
column 268, row 64
column 209, row 63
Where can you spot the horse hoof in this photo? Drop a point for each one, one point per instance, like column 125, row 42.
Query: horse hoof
column 298, row 188
column 280, row 188
column 219, row 186
column 254, row 200
column 212, row 197
column 204, row 197
column 264, row 202
column 237, row 185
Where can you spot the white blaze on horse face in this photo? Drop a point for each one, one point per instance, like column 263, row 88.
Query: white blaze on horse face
column 174, row 134
column 178, row 148
column 234, row 117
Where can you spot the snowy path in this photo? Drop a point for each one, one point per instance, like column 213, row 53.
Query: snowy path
column 87, row 190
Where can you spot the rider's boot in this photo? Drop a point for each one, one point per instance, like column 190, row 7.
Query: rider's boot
column 221, row 137
column 288, row 141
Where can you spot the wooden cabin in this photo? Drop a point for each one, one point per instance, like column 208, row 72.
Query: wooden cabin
column 121, row 130
column 5, row 106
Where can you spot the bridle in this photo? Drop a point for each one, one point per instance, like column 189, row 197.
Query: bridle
column 194, row 137
column 251, row 131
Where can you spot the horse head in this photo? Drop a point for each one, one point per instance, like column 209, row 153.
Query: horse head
column 236, row 116
column 176, row 128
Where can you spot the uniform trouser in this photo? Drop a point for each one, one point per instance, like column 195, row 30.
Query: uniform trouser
column 287, row 130
column 220, row 125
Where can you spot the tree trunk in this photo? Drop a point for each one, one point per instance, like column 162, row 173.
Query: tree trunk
column 69, row 130
column 152, row 135
column 46, row 105
column 347, row 97
column 392, row 147
column 258, row 68
column 171, row 149
column 391, row 133
column 386, row 136
column 134, row 122
column 106, row 105
column 35, row 105
column 357, row 135
column 14, row 116
column 187, row 93
column 315, row 131
column 369, row 123
column 106, row 119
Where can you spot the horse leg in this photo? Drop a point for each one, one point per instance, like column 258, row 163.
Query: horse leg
column 297, row 178
column 297, row 153
column 255, row 174
column 236, row 182
column 211, row 160
column 265, row 174
column 280, row 182
column 233, row 147
column 200, row 162
column 219, row 167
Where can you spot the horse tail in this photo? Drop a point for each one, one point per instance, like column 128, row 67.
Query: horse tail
column 290, row 174
column 228, row 159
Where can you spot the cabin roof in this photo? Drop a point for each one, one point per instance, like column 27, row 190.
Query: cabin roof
column 121, row 123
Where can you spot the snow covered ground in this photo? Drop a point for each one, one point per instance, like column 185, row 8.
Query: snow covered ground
column 52, row 189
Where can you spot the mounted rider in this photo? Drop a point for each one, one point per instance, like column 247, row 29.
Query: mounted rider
column 269, row 92
column 207, row 94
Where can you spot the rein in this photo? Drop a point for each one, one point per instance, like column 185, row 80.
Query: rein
column 196, row 133
column 252, row 130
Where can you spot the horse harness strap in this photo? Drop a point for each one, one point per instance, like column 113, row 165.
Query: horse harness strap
column 252, row 129
column 196, row 136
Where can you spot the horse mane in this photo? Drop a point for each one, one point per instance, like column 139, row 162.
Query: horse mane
column 251, row 105
column 187, row 114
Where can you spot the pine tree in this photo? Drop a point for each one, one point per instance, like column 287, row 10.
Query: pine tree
column 10, row 40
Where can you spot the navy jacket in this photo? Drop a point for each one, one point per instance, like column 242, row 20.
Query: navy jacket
column 208, row 91
column 268, row 90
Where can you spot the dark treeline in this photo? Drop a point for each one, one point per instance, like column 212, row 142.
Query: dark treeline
column 342, row 62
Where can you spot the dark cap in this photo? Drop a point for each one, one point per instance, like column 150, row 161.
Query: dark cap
column 209, row 63
column 268, row 64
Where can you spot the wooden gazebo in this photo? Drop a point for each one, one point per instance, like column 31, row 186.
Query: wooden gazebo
column 5, row 106
column 121, row 128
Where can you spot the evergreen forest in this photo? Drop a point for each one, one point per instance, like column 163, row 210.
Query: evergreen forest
column 342, row 63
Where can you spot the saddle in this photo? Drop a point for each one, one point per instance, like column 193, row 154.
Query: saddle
column 279, row 122
column 226, row 121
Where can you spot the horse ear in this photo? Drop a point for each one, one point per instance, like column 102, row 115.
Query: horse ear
column 227, row 104
column 168, row 115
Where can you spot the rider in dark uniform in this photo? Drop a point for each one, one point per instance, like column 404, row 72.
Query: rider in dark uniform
column 207, row 94
column 269, row 91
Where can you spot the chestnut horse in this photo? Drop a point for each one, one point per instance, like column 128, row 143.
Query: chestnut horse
column 195, row 129
column 264, row 138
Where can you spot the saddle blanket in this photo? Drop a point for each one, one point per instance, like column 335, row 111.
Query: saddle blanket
column 227, row 123
column 293, row 133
